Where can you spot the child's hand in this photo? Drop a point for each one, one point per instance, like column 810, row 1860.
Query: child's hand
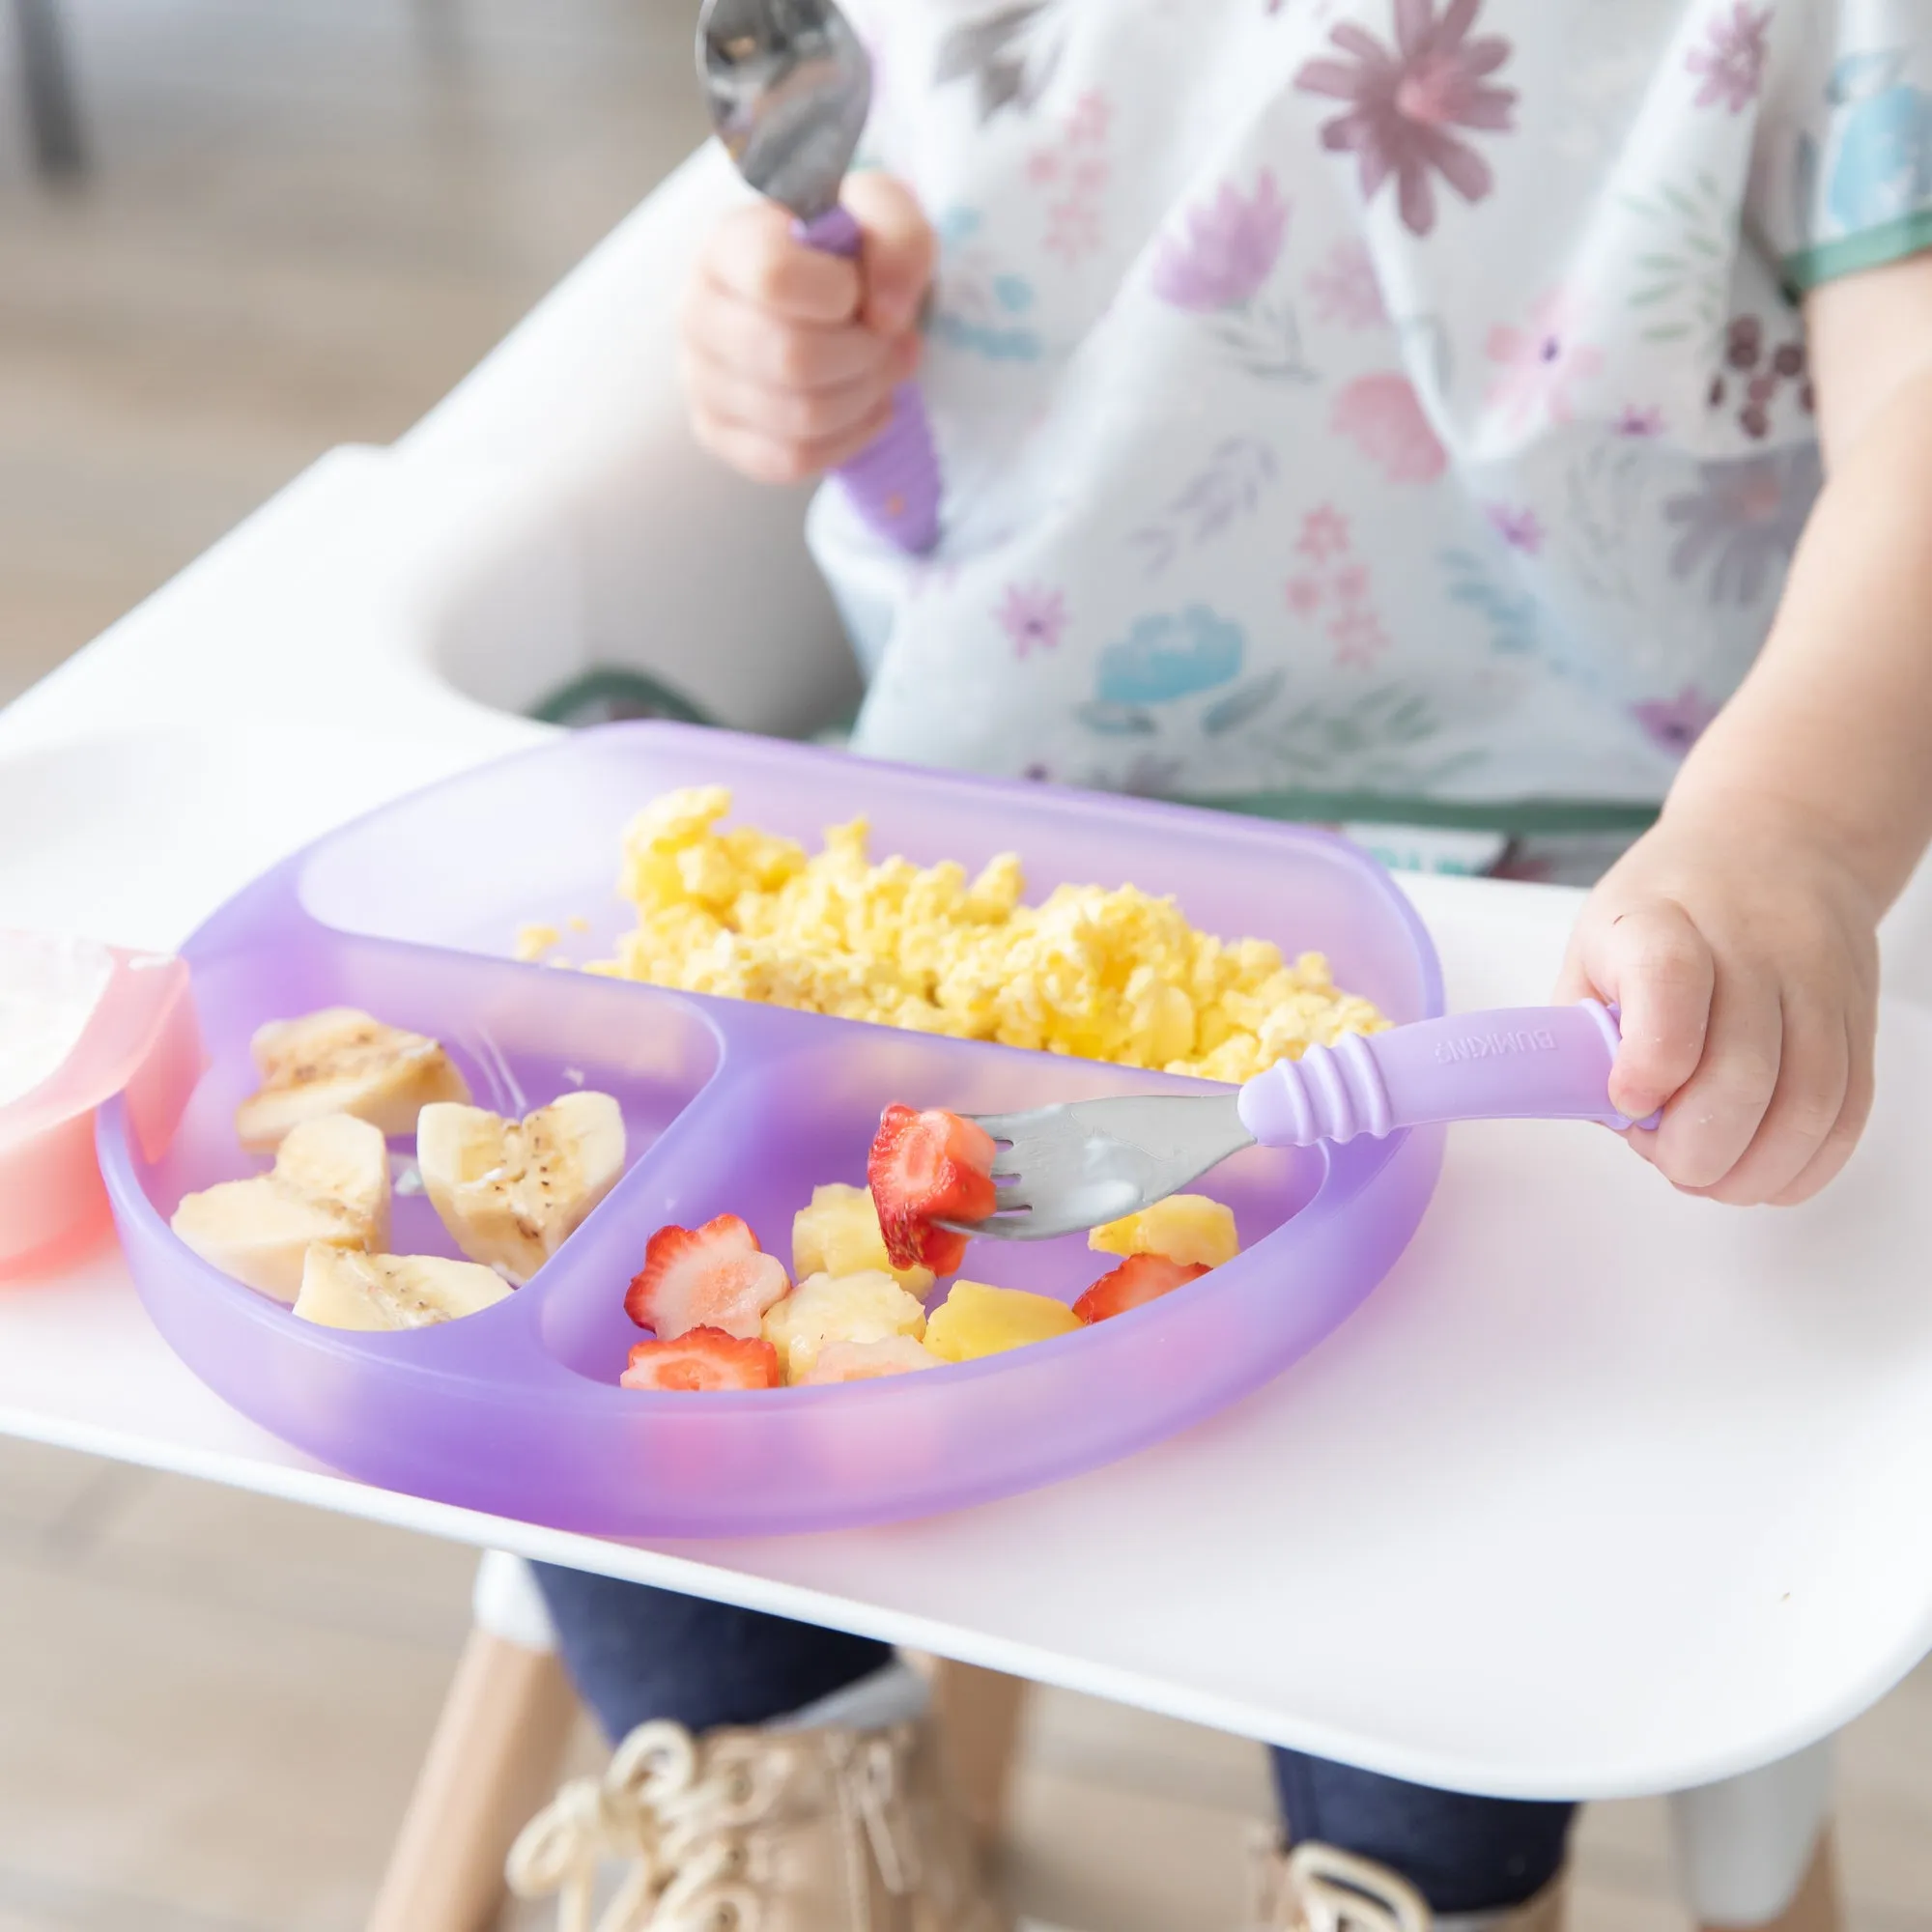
column 790, row 357
column 1744, row 958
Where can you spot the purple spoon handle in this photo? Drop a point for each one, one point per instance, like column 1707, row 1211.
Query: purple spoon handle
column 1523, row 1064
column 893, row 483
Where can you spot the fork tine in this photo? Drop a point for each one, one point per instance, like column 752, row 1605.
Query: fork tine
column 1009, row 1224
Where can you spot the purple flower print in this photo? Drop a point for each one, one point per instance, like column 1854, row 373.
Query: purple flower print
column 1744, row 521
column 1675, row 724
column 1345, row 289
column 1229, row 250
column 1638, row 425
column 1731, row 61
column 1403, row 102
column 1521, row 529
column 1034, row 617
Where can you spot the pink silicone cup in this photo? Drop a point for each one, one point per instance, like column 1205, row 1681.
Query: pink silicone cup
column 141, row 1040
column 893, row 483
column 745, row 1108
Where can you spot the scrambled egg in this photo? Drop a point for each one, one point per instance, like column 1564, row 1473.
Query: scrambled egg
column 1118, row 976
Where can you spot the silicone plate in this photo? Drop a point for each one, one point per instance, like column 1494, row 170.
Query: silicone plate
column 410, row 913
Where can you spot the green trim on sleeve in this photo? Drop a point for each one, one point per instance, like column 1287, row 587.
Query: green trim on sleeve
column 1868, row 249
column 1525, row 817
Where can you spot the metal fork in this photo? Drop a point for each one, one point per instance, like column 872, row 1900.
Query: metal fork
column 1064, row 1169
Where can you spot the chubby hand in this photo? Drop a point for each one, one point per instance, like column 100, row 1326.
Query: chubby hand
column 790, row 357
column 1744, row 958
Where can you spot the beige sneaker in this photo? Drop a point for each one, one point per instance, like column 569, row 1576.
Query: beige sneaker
column 809, row 1830
column 1318, row 1889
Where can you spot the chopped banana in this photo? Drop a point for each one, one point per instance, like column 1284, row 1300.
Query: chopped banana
column 388, row 1292
column 511, row 1192
column 331, row 1185
column 340, row 1060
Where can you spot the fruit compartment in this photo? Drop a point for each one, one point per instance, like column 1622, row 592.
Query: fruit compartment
column 798, row 1110
column 743, row 1108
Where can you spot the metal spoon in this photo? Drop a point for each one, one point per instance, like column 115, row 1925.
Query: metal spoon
column 789, row 85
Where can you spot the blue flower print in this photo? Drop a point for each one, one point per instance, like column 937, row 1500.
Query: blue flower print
column 1884, row 165
column 976, row 308
column 1167, row 656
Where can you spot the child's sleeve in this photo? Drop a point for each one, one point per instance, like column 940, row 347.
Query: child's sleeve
column 1842, row 167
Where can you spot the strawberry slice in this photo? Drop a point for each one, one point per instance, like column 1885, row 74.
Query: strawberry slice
column 1137, row 1281
column 924, row 1168
column 710, row 1277
column 701, row 1360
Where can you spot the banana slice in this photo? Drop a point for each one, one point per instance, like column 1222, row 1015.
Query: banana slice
column 511, row 1192
column 340, row 1060
column 331, row 1186
column 385, row 1291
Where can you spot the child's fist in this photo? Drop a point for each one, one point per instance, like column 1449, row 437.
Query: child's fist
column 1745, row 958
column 790, row 357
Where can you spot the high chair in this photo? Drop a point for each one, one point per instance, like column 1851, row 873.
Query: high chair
column 648, row 559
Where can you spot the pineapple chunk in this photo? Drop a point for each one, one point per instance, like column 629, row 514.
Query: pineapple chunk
column 868, row 1307
column 867, row 1361
column 1187, row 1229
column 839, row 1235
column 974, row 1320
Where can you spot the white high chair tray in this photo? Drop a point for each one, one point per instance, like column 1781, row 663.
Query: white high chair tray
column 1604, row 1492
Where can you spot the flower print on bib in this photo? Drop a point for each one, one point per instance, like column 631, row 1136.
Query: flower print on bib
column 1371, row 400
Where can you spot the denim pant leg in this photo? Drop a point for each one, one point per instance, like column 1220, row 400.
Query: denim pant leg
column 636, row 1653
column 1463, row 1854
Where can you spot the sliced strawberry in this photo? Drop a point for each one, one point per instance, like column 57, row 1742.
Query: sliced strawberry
column 926, row 1167
column 710, row 1277
column 704, row 1359
column 1137, row 1281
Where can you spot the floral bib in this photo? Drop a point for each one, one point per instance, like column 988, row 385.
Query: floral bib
column 1346, row 403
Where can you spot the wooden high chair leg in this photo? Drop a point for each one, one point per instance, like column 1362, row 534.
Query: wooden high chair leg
column 1818, row 1906
column 978, row 1712
column 492, row 1764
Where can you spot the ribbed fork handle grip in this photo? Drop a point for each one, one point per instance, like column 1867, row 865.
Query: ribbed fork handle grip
column 893, row 482
column 1523, row 1063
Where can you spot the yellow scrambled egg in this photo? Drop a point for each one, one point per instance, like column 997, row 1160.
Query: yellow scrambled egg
column 1118, row 976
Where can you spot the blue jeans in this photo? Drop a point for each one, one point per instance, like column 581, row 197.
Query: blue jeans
column 636, row 1653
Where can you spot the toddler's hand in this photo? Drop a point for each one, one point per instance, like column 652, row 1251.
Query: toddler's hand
column 790, row 357
column 1745, row 958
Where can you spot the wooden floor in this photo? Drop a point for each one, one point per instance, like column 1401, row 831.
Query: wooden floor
column 306, row 220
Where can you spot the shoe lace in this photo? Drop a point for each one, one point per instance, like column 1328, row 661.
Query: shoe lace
column 592, row 1819
column 694, row 1868
column 1318, row 1889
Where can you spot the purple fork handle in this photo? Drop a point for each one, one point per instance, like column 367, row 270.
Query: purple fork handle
column 893, row 483
column 1523, row 1063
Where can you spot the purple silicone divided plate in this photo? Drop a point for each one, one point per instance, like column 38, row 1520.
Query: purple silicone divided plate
column 411, row 914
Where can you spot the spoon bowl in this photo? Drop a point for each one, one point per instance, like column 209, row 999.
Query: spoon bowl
column 789, row 85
